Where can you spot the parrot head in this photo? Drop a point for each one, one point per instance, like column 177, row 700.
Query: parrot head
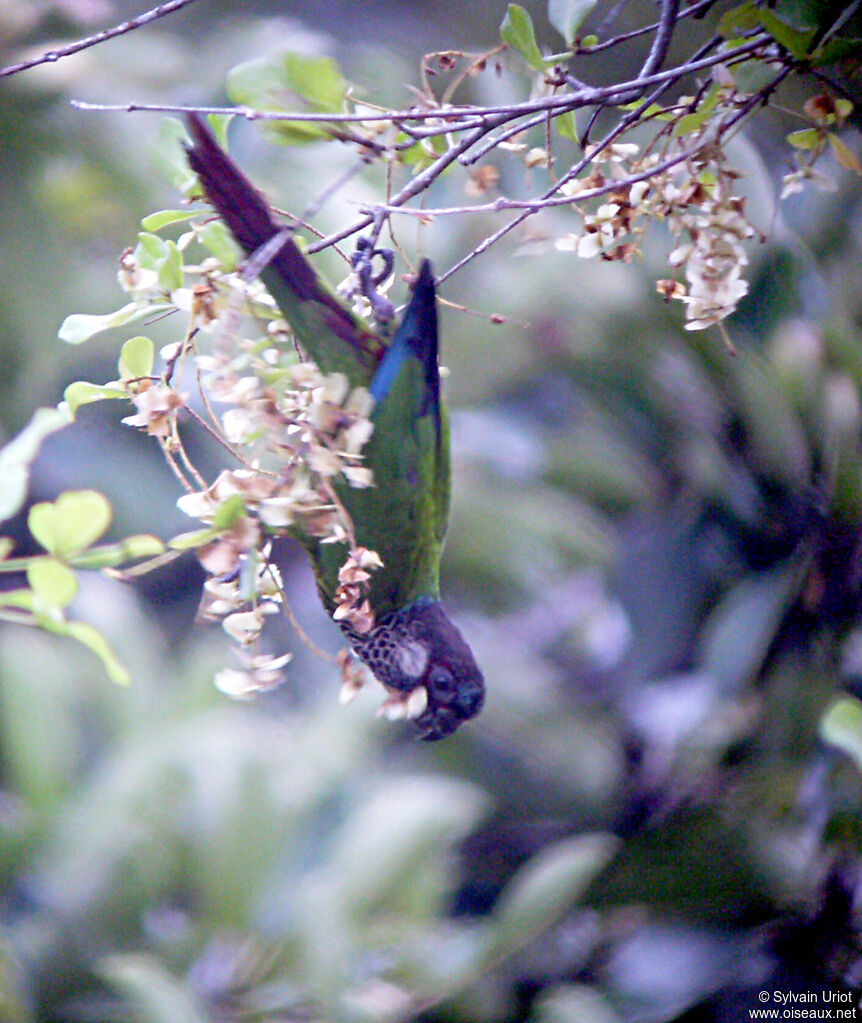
column 419, row 646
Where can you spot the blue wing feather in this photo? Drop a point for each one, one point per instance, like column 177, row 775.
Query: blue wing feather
column 416, row 338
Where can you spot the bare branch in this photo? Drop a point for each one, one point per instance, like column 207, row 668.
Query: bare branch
column 623, row 37
column 52, row 56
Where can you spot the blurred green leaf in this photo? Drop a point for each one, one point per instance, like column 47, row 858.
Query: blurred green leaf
column 82, row 392
column 151, row 993
column 567, row 16
column 171, row 270
column 169, row 156
column 21, row 599
column 517, row 31
column 194, row 538
column 566, row 126
column 740, row 630
column 136, row 358
column 90, row 637
column 132, row 548
column 573, row 1003
column 16, row 456
column 216, row 237
column 394, row 843
column 286, row 81
column 844, row 155
column 794, row 40
column 13, row 1004
column 53, row 583
column 742, row 18
column 164, row 218
column 695, row 120
column 841, row 726
column 151, row 250
column 749, row 15
column 229, row 512
column 82, row 326
column 836, row 49
column 805, row 138
column 75, row 520
column 546, row 888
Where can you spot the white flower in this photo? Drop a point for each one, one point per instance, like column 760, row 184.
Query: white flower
column 589, row 245
column 356, row 436
column 637, row 192
column 568, row 243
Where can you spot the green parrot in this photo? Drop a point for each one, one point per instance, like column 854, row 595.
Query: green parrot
column 403, row 516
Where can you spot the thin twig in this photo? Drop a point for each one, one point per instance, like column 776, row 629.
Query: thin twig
column 580, row 97
column 623, row 37
column 52, row 56
column 292, row 619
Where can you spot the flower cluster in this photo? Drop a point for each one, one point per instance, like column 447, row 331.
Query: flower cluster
column 688, row 185
column 351, row 598
column 294, row 434
column 826, row 114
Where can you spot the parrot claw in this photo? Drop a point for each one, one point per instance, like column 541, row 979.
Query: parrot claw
column 369, row 281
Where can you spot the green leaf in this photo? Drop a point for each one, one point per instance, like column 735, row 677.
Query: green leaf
column 82, row 392
column 546, row 887
column 91, row 638
column 151, row 250
column 169, row 155
column 136, row 358
column 691, row 122
column 566, row 126
column 219, row 124
column 742, row 627
column 795, row 41
column 17, row 598
column 171, row 270
column 517, row 31
column 17, row 455
column 805, row 138
column 14, row 985
column 229, row 512
column 286, row 81
column 739, row 19
column 220, row 242
column 52, row 582
column 71, row 523
column 590, row 40
column 749, row 16
column 844, row 155
column 164, row 218
column 835, row 49
column 81, row 327
column 132, row 548
column 567, row 16
column 573, row 1003
column 841, row 726
column 150, row 992
column 193, row 539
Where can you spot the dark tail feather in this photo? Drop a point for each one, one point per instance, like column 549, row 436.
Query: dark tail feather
column 251, row 221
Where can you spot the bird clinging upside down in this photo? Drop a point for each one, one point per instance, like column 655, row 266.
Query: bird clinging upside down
column 403, row 515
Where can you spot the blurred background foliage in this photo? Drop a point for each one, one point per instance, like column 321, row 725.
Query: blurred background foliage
column 654, row 551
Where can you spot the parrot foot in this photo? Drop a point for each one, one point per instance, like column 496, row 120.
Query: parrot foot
column 369, row 281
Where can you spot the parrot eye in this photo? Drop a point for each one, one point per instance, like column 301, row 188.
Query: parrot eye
column 441, row 683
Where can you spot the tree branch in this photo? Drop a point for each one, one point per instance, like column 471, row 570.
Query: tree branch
column 52, row 56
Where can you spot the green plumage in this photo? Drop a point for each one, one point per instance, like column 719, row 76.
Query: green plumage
column 403, row 515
